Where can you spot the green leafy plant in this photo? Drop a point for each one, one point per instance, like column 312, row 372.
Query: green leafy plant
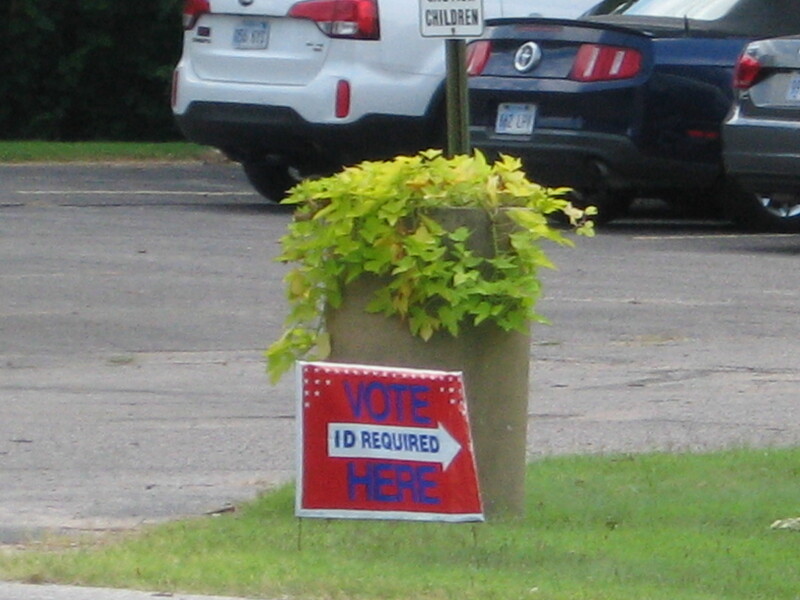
column 379, row 219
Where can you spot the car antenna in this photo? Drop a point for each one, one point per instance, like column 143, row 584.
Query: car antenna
column 686, row 24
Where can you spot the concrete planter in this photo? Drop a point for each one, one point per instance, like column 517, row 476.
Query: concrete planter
column 495, row 364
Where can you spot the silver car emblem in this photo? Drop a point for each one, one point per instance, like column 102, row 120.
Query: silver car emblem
column 528, row 56
column 245, row 2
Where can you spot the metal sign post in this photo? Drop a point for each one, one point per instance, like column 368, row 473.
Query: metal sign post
column 454, row 20
column 457, row 98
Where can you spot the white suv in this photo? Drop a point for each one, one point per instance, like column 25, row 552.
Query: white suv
column 290, row 88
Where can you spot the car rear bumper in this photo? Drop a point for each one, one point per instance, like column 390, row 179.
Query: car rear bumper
column 763, row 155
column 249, row 130
column 584, row 159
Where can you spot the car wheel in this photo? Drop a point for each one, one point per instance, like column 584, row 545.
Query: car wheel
column 763, row 211
column 271, row 180
column 610, row 204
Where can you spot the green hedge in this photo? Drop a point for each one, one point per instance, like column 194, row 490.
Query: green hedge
column 88, row 69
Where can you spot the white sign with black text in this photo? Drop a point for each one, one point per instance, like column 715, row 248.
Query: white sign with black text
column 451, row 18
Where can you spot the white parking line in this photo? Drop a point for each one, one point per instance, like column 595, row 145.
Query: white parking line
column 129, row 193
column 712, row 236
column 643, row 300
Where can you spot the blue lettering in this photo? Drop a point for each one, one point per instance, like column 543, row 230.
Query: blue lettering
column 418, row 404
column 354, row 481
column 398, row 390
column 423, row 485
column 387, row 406
column 423, row 443
column 384, row 483
column 355, row 400
column 349, row 438
column 405, row 482
column 381, row 402
column 344, row 438
column 392, row 483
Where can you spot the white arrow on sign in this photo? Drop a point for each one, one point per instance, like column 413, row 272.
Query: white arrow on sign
column 419, row 444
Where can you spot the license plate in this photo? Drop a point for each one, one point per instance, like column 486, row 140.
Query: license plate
column 793, row 93
column 251, row 35
column 515, row 119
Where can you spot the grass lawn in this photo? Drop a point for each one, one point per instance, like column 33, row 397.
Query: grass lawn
column 36, row 151
column 638, row 527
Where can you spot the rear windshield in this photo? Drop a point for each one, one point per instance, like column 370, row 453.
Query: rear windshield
column 702, row 10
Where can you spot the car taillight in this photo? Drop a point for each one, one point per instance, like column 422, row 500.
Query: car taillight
column 356, row 19
column 477, row 56
column 193, row 10
column 746, row 72
column 173, row 95
column 342, row 108
column 596, row 62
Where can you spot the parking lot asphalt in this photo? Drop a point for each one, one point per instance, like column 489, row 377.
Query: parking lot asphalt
column 19, row 591
column 136, row 301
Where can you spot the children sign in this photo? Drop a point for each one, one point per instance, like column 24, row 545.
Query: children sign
column 384, row 443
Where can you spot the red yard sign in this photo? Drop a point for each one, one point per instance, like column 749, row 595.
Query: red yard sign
column 384, row 443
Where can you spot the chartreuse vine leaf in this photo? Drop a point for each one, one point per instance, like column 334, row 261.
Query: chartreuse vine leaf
column 381, row 219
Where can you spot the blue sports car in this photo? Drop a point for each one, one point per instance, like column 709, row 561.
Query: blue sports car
column 620, row 105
